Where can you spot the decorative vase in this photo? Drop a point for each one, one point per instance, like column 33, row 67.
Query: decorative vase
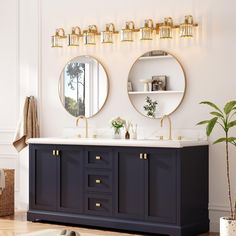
column 227, row 227
column 117, row 134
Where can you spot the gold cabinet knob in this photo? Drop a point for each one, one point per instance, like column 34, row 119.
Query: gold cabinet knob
column 98, row 158
column 98, row 204
column 141, row 156
column 57, row 153
column 54, row 152
column 145, row 156
column 98, row 181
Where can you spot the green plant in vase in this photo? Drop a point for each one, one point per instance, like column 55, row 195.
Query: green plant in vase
column 224, row 118
column 117, row 124
column 150, row 107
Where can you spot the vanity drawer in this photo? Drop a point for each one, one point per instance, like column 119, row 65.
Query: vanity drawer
column 98, row 181
column 98, row 204
column 99, row 158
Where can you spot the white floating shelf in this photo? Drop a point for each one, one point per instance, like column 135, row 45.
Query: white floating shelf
column 155, row 57
column 156, row 92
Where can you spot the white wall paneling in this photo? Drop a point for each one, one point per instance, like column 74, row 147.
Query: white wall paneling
column 9, row 86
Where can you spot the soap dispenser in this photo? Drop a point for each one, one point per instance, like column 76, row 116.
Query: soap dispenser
column 133, row 131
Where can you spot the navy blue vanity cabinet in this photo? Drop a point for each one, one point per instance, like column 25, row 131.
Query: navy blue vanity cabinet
column 143, row 189
column 98, row 181
column 70, row 179
column 129, row 183
column 56, row 178
column 161, row 185
column 42, row 177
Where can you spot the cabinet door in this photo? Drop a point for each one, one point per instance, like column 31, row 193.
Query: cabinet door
column 129, row 183
column 161, row 185
column 42, row 177
column 70, row 178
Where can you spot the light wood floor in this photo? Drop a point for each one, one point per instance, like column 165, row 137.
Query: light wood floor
column 17, row 224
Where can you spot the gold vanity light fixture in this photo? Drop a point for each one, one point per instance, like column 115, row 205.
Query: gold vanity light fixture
column 73, row 38
column 57, row 39
column 126, row 34
column 147, row 30
column 165, row 28
column 89, row 35
column 107, row 34
column 186, row 28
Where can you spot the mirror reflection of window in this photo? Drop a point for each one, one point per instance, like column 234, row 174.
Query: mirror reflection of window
column 83, row 86
column 74, row 84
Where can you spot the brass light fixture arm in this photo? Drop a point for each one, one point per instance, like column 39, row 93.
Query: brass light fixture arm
column 60, row 32
column 131, row 26
column 149, row 23
column 93, row 29
column 76, row 30
column 110, row 27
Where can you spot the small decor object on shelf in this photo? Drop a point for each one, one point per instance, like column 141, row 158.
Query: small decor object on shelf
column 224, row 118
column 129, row 86
column 145, row 84
column 150, row 107
column 159, row 82
column 158, row 53
column 117, row 124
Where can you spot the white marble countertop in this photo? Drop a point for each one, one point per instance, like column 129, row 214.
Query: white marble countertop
column 119, row 142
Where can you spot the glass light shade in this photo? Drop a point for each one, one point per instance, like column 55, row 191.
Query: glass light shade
column 73, row 40
column 126, row 35
column 89, row 38
column 57, row 41
column 186, row 30
column 145, row 33
column 107, row 37
column 165, row 32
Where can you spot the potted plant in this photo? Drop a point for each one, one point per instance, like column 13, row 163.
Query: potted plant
column 224, row 119
column 150, row 107
column 117, row 124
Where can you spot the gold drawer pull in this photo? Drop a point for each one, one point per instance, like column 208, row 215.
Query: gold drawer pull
column 141, row 155
column 57, row 152
column 98, row 158
column 54, row 152
column 98, row 181
column 98, row 204
column 145, row 156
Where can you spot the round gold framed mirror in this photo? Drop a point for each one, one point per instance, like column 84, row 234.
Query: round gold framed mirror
column 83, row 86
column 156, row 84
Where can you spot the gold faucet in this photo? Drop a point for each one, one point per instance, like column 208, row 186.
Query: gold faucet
column 170, row 127
column 86, row 124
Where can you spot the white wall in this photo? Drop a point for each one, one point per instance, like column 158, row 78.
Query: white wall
column 208, row 60
column 19, row 65
column 9, row 85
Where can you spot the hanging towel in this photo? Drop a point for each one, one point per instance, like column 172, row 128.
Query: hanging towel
column 2, row 180
column 28, row 125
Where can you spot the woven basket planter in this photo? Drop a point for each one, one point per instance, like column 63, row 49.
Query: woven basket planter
column 7, row 196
